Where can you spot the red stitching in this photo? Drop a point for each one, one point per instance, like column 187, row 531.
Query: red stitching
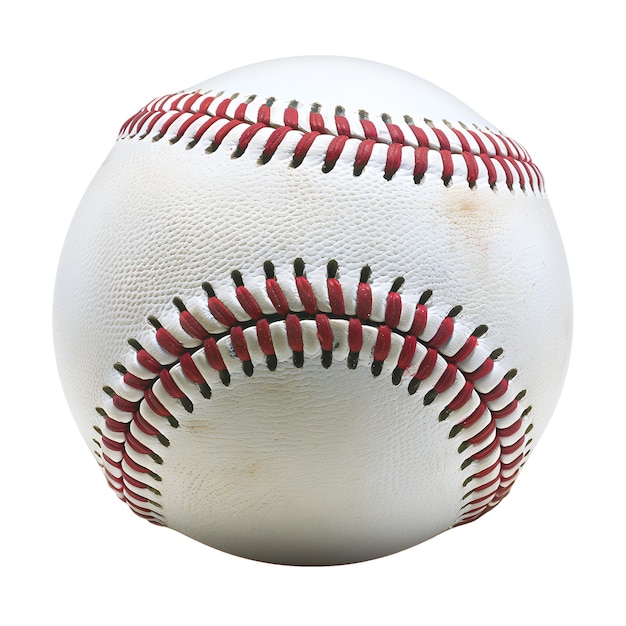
column 478, row 150
column 491, row 444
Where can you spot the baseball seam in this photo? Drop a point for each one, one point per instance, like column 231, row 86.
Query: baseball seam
column 452, row 152
column 295, row 319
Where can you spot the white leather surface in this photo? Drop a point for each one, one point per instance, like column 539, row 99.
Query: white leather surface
column 310, row 465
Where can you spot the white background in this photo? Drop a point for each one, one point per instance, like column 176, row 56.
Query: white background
column 553, row 552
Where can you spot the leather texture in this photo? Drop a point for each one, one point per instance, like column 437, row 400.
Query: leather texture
column 306, row 465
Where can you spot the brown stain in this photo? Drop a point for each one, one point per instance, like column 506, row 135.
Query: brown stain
column 470, row 213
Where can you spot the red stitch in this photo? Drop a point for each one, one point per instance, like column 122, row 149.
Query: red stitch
column 316, row 122
column 146, row 514
column 145, row 427
column 487, row 470
column 496, row 146
column 290, row 117
column 155, row 404
column 538, row 174
column 175, row 103
column 129, row 480
column 394, row 160
column 518, row 170
column 507, row 410
column 462, row 397
column 249, row 304
column 155, row 118
column 476, row 414
column 190, row 369
column 190, row 101
column 408, row 352
column 397, row 136
column 239, row 343
column 138, row 121
column 221, row 312
column 355, row 335
column 490, row 449
column 145, row 359
column 222, row 132
column 421, row 136
column 169, row 343
column 369, row 130
column 264, row 337
column 497, row 392
column 134, row 465
column 421, row 163
column 484, row 487
column 294, row 333
column 343, row 126
column 427, row 365
column 514, row 463
column 472, row 168
column 335, row 296
column 383, row 343
column 184, row 127
column 303, row 147
column 447, row 165
column 465, row 351
column 192, row 326
column 483, row 435
column 507, row 450
column 135, row 496
column 334, row 150
column 501, row 493
column 213, row 355
column 136, row 445
column 465, row 147
column 419, row 320
column 203, row 129
column 240, row 112
column 508, row 175
column 135, row 382
column 447, row 379
column 443, row 334
column 166, row 125
column 307, row 296
column 481, row 144
column 363, row 155
column 222, row 107
column 273, row 141
column 512, row 150
column 204, row 105
column 324, row 332
column 442, row 138
column 492, row 176
column 515, row 150
column 109, row 461
column 115, row 426
column 264, row 115
column 481, row 371
column 124, row 405
column 247, row 136
column 393, row 309
column 364, row 301
column 114, row 482
column 276, row 296
column 170, row 387
column 503, row 433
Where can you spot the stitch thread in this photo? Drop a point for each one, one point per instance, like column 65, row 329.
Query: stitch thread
column 450, row 152
column 493, row 434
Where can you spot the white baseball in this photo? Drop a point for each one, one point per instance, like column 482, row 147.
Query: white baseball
column 312, row 311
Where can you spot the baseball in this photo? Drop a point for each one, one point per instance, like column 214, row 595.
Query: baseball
column 312, row 311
